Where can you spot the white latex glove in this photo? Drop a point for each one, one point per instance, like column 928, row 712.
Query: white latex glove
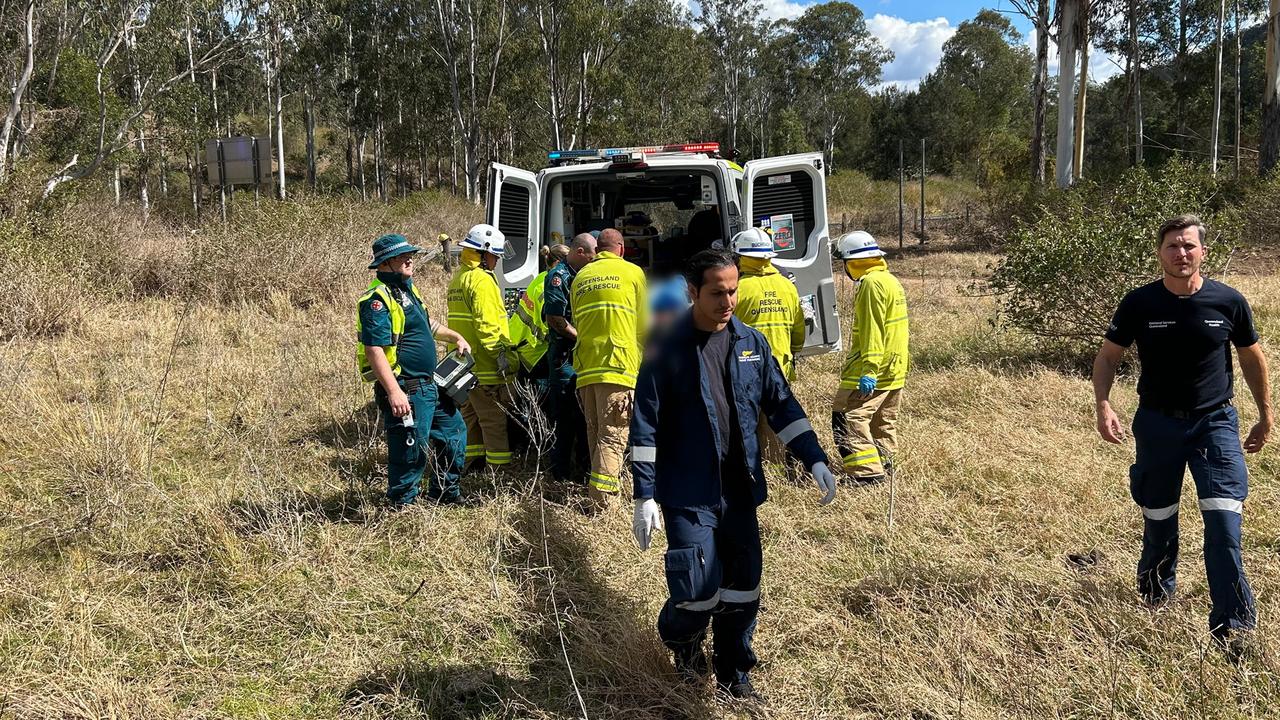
column 646, row 518
column 826, row 482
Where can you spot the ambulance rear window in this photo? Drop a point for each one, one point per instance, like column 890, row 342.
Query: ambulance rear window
column 783, row 203
column 513, row 221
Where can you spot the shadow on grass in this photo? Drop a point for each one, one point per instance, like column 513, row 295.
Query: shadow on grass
column 619, row 665
column 254, row 516
column 447, row 692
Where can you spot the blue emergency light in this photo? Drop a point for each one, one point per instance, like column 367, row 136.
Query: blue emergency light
column 607, row 153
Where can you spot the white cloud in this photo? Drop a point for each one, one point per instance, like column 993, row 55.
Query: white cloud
column 916, row 46
column 779, row 9
column 773, row 9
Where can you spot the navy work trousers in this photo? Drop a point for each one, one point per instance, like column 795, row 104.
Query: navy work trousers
column 713, row 563
column 1210, row 444
column 438, row 437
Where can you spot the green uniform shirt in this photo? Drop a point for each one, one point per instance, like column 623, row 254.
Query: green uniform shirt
column 555, row 302
column 416, row 352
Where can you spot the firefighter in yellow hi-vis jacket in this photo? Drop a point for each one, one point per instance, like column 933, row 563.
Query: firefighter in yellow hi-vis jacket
column 609, row 305
column 476, row 312
column 864, row 414
column 527, row 329
column 768, row 302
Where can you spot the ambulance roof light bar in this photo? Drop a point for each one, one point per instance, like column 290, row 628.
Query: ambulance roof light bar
column 560, row 156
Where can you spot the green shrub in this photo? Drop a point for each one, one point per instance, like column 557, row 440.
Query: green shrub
column 1066, row 270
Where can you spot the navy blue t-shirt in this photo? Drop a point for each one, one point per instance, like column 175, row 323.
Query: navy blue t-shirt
column 1184, row 342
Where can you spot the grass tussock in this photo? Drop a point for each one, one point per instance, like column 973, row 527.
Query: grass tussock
column 193, row 530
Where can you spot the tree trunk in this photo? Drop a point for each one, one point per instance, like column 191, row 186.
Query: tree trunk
column 163, row 175
column 1040, row 92
column 1235, row 136
column 279, row 107
column 1269, row 153
column 310, row 111
column 1180, row 67
column 364, row 193
column 1066, row 92
column 18, row 89
column 1136, row 55
column 1082, row 91
column 1217, row 89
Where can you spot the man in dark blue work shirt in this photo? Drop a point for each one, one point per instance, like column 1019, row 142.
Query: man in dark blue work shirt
column 396, row 349
column 696, row 464
column 1185, row 325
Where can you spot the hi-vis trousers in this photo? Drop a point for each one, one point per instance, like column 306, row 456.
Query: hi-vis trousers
column 868, row 434
column 486, row 416
column 607, row 409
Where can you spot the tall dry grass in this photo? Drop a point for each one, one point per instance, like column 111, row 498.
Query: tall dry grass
column 192, row 529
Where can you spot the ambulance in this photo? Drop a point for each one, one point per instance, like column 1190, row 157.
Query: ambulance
column 669, row 202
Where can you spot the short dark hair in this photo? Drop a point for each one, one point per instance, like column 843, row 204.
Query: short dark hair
column 695, row 273
column 1181, row 222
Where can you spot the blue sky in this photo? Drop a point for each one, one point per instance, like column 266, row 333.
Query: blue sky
column 916, row 29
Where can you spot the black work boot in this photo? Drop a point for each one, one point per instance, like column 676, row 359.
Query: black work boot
column 691, row 664
column 741, row 690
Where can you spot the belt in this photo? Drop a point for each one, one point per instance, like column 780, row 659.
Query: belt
column 1182, row 413
column 413, row 384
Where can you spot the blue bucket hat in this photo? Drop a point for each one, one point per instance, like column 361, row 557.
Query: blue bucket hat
column 389, row 246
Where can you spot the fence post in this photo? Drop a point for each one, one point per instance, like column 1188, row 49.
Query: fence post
column 445, row 257
column 901, row 180
column 924, row 235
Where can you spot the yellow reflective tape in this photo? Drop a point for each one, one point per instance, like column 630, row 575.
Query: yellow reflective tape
column 604, row 482
column 475, row 451
column 579, row 312
column 604, row 371
column 864, row 461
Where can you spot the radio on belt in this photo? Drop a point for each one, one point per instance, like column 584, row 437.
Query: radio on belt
column 454, row 377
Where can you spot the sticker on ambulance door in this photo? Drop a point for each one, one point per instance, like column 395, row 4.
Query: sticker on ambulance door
column 783, row 231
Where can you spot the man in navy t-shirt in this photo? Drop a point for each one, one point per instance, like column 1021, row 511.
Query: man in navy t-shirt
column 1185, row 325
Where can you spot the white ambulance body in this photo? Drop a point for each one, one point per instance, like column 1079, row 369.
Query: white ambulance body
column 670, row 202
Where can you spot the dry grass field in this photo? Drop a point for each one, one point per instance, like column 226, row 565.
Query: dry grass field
column 192, row 529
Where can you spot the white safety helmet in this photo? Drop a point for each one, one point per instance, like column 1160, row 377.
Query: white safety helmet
column 857, row 245
column 485, row 238
column 753, row 242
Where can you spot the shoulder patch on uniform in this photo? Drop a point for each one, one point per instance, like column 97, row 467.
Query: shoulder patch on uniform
column 376, row 305
column 555, row 281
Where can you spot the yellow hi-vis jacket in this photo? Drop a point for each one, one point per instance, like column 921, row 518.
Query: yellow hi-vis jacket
column 477, row 314
column 769, row 302
column 377, row 287
column 609, row 305
column 527, row 329
column 878, row 346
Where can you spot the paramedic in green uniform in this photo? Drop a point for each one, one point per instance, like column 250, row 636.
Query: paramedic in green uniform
column 396, row 350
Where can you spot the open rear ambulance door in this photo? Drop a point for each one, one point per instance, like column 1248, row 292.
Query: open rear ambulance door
column 513, row 209
column 788, row 196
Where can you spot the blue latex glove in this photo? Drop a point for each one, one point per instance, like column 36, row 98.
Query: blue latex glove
column 866, row 384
